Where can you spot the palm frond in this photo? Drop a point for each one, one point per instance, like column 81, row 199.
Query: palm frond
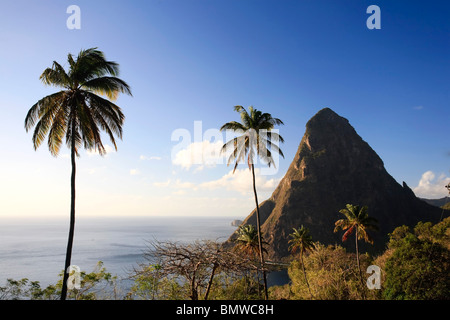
column 348, row 233
column 111, row 113
column 273, row 136
column 245, row 117
column 91, row 63
column 57, row 131
column 41, row 107
column 267, row 117
column 266, row 147
column 90, row 133
column 265, row 155
column 108, row 86
column 72, row 62
column 45, row 110
column 239, row 153
column 342, row 224
column 56, row 76
column 233, row 125
column 108, row 118
column 348, row 214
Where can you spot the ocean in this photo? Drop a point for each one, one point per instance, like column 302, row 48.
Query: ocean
column 35, row 248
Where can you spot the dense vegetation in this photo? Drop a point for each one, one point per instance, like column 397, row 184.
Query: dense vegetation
column 415, row 265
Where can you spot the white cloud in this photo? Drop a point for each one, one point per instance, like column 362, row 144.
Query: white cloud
column 162, row 184
column 134, row 172
column 177, row 184
column 180, row 192
column 184, row 185
column 430, row 187
column 418, row 107
column 142, row 157
column 203, row 154
column 242, row 182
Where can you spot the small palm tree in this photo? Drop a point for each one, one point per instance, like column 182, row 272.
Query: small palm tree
column 302, row 241
column 76, row 114
column 356, row 219
column 256, row 140
column 247, row 240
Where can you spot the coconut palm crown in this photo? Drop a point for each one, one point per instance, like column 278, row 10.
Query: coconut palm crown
column 77, row 112
column 356, row 220
column 255, row 139
column 301, row 240
column 247, row 240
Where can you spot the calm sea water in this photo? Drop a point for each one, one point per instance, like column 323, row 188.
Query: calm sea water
column 35, row 249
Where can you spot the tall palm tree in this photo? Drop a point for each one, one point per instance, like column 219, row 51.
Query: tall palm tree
column 302, row 241
column 255, row 140
column 76, row 114
column 356, row 219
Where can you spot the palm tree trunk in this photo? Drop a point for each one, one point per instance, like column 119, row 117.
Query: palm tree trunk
column 72, row 225
column 304, row 273
column 261, row 253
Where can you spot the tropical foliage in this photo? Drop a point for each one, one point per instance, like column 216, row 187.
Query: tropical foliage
column 417, row 262
column 98, row 284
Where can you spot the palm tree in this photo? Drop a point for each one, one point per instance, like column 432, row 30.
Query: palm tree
column 248, row 243
column 356, row 219
column 76, row 114
column 302, row 241
column 256, row 139
column 247, row 240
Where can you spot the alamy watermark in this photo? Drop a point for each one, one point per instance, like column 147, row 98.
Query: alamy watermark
column 374, row 280
column 74, row 20
column 74, row 280
column 374, row 21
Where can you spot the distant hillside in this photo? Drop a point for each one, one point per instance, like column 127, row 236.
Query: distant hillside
column 332, row 167
column 437, row 202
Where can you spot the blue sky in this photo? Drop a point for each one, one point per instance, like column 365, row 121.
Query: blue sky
column 190, row 61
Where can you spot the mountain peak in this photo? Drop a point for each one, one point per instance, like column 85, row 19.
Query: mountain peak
column 334, row 166
column 326, row 113
column 326, row 118
column 331, row 146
